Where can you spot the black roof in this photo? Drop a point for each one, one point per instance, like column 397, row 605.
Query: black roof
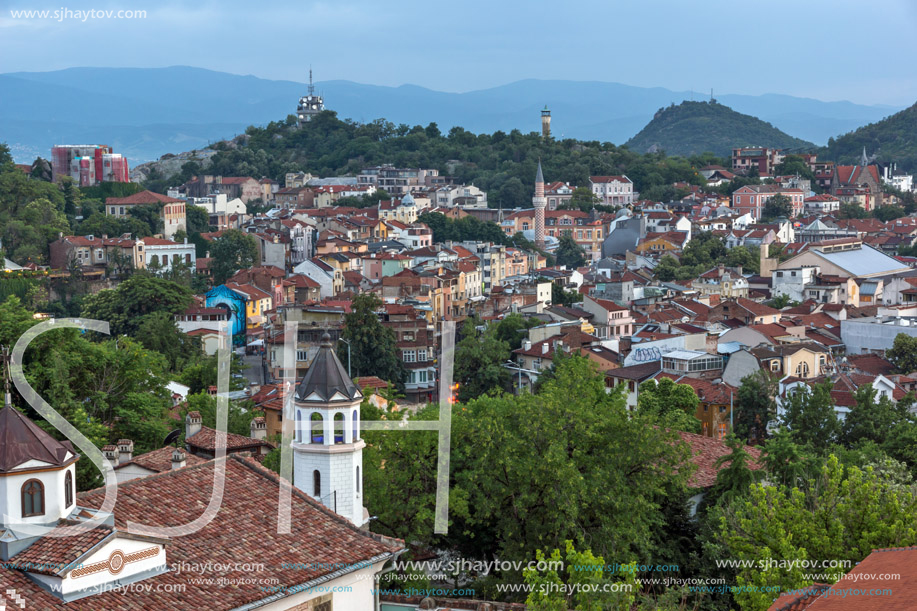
column 22, row 440
column 327, row 376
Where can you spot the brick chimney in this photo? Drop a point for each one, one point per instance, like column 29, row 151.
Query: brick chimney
column 178, row 458
column 125, row 450
column 193, row 423
column 259, row 428
column 111, row 454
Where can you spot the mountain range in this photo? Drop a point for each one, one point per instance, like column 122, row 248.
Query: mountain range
column 146, row 112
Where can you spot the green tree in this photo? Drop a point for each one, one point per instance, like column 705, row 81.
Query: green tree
column 141, row 295
column 588, row 586
column 667, row 268
column 513, row 328
column 669, row 405
column 755, row 406
column 479, row 359
column 778, row 206
column 810, row 417
column 232, row 251
column 841, row 515
column 903, row 353
column 569, row 253
column 735, row 478
column 239, row 418
column 373, row 350
column 788, row 463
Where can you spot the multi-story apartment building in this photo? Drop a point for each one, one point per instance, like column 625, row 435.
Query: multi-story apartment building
column 398, row 181
column 762, row 159
column 416, row 344
column 469, row 196
column 88, row 164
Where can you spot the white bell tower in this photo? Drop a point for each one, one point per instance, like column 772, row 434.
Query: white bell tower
column 327, row 446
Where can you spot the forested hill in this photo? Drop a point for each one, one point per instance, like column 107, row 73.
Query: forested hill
column 891, row 139
column 503, row 164
column 691, row 128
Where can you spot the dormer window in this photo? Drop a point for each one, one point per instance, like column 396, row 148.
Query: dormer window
column 33, row 498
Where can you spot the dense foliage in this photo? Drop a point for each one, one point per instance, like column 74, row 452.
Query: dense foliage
column 503, row 164
column 891, row 139
column 691, row 128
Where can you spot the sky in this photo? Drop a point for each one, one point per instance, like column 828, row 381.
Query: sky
column 856, row 50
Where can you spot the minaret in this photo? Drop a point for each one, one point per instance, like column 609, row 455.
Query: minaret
column 864, row 160
column 539, row 202
column 327, row 447
column 545, row 123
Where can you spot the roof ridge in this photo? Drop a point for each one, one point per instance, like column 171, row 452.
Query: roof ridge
column 275, row 477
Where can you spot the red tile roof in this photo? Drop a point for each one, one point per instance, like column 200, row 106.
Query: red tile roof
column 160, row 460
column 705, row 451
column 206, row 440
column 144, row 197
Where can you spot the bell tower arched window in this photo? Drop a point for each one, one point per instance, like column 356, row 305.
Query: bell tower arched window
column 356, row 425
column 317, row 434
column 339, row 428
column 68, row 489
column 33, row 498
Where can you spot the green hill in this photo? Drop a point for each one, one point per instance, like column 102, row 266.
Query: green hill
column 698, row 127
column 893, row 138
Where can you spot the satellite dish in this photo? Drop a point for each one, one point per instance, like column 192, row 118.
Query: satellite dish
column 171, row 437
column 685, row 319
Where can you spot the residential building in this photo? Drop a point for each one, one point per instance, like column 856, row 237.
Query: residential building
column 611, row 321
column 415, row 339
column 613, row 190
column 757, row 160
column 245, row 188
column 164, row 255
column 398, row 181
column 171, row 209
column 752, row 199
column 722, row 281
column 123, row 252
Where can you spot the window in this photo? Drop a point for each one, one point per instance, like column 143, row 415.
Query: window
column 316, row 426
column 298, row 426
column 33, row 498
column 356, row 425
column 775, row 365
column 358, row 479
column 317, row 483
column 68, row 489
column 339, row 428
column 302, row 355
column 409, row 356
column 422, row 355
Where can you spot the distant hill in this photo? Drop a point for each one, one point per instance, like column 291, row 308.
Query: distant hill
column 891, row 139
column 146, row 112
column 691, row 128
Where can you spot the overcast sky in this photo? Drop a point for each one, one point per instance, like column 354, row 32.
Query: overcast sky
column 857, row 50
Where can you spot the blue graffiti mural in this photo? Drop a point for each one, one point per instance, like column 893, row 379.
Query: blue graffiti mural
column 222, row 297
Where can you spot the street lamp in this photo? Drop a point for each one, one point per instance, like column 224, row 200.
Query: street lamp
column 349, row 375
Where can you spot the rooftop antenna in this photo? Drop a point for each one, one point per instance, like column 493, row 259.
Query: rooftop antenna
column 311, row 86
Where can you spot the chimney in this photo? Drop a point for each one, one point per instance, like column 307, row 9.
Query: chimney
column 192, row 424
column 178, row 458
column 544, row 348
column 125, row 450
column 111, row 454
column 527, row 345
column 258, row 428
column 212, row 390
